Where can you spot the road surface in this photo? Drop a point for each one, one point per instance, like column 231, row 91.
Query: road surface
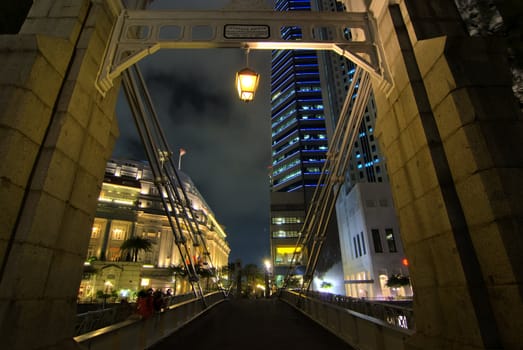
column 252, row 324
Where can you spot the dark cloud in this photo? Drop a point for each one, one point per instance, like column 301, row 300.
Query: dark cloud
column 196, row 100
column 227, row 141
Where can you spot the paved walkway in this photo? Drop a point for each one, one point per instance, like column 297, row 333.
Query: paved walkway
column 255, row 324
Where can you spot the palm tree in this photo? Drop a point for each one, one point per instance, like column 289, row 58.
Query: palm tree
column 134, row 245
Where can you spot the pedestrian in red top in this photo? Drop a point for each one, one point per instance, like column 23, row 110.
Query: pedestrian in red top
column 145, row 303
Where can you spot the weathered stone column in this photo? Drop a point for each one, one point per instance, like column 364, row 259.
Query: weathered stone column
column 451, row 131
column 56, row 134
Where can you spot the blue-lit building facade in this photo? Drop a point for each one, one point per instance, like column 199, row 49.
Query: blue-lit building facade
column 299, row 135
column 299, row 140
column 368, row 228
column 308, row 89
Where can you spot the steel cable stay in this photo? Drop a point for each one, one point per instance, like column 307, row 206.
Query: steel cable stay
column 167, row 180
column 162, row 183
column 179, row 191
column 336, row 178
column 310, row 218
column 138, row 111
column 164, row 155
column 331, row 189
column 336, row 145
column 319, row 213
column 319, row 192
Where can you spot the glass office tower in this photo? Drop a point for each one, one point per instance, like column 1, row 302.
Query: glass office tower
column 308, row 89
column 299, row 144
column 299, row 136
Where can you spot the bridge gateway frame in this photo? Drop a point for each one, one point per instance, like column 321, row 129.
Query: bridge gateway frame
column 451, row 135
column 139, row 33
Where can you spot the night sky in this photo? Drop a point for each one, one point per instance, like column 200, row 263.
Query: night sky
column 227, row 141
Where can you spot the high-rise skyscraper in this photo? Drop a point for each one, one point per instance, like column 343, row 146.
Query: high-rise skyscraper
column 299, row 141
column 299, row 136
column 308, row 89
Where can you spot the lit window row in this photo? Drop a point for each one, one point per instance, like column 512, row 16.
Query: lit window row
column 288, row 177
column 282, row 117
column 280, row 220
column 285, row 234
column 309, row 137
column 284, row 147
column 312, row 170
column 318, row 107
column 283, row 157
column 282, row 96
column 283, row 127
column 309, row 88
column 312, row 117
column 285, row 167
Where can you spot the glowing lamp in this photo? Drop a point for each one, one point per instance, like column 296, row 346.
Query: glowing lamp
column 247, row 82
column 405, row 262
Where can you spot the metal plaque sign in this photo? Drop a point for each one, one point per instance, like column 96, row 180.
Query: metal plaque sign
column 246, row 31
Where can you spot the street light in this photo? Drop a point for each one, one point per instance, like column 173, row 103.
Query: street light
column 247, row 81
column 268, row 266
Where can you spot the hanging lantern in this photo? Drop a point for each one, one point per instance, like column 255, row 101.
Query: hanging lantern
column 247, row 82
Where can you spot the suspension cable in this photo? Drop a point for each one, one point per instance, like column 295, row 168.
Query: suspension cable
column 166, row 179
column 314, row 229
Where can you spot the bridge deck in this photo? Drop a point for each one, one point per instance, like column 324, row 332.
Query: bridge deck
column 253, row 324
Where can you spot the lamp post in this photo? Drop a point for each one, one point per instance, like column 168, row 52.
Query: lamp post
column 247, row 82
column 268, row 266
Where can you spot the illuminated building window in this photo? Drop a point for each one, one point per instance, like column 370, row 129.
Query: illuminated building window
column 284, row 255
column 95, row 232
column 113, row 254
column 118, row 234
column 376, row 239
column 286, row 220
column 285, row 234
column 145, row 282
column 391, row 242
column 152, row 234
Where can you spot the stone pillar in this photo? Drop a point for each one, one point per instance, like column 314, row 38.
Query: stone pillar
column 451, row 131
column 105, row 240
column 56, row 134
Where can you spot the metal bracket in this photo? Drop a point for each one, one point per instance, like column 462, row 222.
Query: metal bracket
column 139, row 33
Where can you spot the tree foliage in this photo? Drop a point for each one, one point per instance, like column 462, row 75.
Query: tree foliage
column 131, row 247
column 500, row 18
column 398, row 280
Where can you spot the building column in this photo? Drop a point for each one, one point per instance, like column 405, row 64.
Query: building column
column 56, row 134
column 451, row 128
column 105, row 239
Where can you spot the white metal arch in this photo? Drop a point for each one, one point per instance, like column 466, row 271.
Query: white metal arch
column 139, row 33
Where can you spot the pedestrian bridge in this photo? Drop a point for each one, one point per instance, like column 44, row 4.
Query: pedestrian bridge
column 301, row 321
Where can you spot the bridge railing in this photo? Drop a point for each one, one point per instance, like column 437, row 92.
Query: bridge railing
column 362, row 324
column 395, row 313
column 137, row 334
column 96, row 319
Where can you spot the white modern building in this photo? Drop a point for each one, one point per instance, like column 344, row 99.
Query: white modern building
column 370, row 242
column 368, row 228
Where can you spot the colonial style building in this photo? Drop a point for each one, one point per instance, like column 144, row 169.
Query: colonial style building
column 129, row 206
